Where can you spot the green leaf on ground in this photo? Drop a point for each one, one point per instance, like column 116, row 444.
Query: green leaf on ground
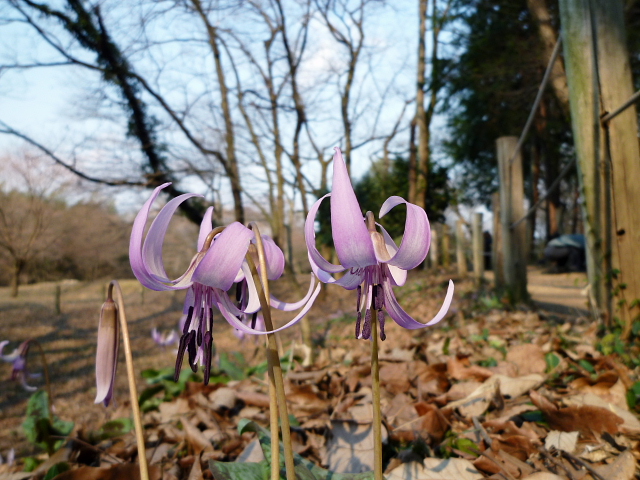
column 39, row 429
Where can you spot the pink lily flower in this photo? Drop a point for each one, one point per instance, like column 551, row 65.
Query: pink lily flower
column 218, row 264
column 374, row 264
column 19, row 360
column 164, row 339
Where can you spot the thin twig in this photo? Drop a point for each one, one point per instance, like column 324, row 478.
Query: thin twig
column 557, row 463
column 583, row 464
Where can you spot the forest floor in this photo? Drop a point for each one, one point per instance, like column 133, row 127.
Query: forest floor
column 491, row 391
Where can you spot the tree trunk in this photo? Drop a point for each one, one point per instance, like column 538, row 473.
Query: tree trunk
column 18, row 267
column 540, row 13
column 422, row 164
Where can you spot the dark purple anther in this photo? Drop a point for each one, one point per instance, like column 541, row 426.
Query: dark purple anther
column 187, row 322
column 378, row 297
column 358, row 321
column 181, row 348
column 381, row 318
column 366, row 328
column 254, row 319
column 208, row 340
column 191, row 348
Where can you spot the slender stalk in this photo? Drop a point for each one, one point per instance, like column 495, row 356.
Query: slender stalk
column 273, row 359
column 375, row 388
column 47, row 380
column 133, row 391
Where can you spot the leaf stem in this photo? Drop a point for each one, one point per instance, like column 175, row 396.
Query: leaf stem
column 375, row 388
column 133, row 391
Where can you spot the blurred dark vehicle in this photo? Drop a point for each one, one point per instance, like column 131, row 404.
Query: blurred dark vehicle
column 567, row 252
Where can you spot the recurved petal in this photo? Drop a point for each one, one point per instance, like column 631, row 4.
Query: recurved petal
column 310, row 239
column 350, row 235
column 403, row 319
column 205, row 227
column 275, row 258
column 152, row 246
column 398, row 275
column 253, row 302
column 223, row 303
column 222, row 262
column 107, row 352
column 9, row 357
column 289, row 307
column 348, row 281
column 417, row 234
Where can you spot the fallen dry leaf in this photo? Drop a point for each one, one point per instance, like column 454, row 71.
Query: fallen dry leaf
column 562, row 441
column 195, row 437
column 623, row 468
column 436, row 469
column 529, row 358
column 590, row 421
column 462, row 369
column 121, row 471
column 350, row 447
column 630, row 423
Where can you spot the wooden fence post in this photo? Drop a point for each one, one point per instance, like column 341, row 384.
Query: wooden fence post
column 433, row 250
column 497, row 258
column 58, row 294
column 478, row 248
column 514, row 241
column 446, row 246
column 461, row 256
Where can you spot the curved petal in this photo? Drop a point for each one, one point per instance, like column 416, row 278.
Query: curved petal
column 348, row 281
column 220, row 265
column 135, row 245
column 350, row 235
column 9, row 357
column 253, row 303
column 152, row 246
column 310, row 239
column 275, row 258
column 205, row 227
column 398, row 275
column 403, row 319
column 289, row 307
column 417, row 234
column 235, row 323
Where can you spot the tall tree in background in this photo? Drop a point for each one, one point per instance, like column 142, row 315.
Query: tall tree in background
column 420, row 161
column 492, row 94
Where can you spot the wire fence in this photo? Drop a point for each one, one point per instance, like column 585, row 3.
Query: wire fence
column 607, row 117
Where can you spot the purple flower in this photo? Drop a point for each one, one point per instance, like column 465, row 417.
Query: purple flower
column 164, row 339
column 372, row 260
column 107, row 352
column 218, row 264
column 19, row 360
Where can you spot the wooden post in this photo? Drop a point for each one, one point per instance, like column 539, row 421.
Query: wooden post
column 57, row 295
column 433, row 250
column 620, row 155
column 478, row 248
column 446, row 246
column 514, row 241
column 497, row 258
column 461, row 256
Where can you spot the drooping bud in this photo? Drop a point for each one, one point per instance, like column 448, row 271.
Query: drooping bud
column 107, row 352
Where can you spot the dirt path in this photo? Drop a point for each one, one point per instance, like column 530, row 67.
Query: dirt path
column 563, row 293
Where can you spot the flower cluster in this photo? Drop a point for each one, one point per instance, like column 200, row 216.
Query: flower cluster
column 371, row 261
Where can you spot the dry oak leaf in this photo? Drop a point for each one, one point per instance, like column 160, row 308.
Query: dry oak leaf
column 435, row 422
column 630, row 425
column 436, row 469
column 607, row 386
column 395, row 377
column 120, row 471
column 195, row 437
column 462, row 369
column 623, row 468
column 544, row 476
column 590, row 421
column 528, row 357
column 478, row 401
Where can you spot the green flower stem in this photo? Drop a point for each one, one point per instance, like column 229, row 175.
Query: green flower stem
column 133, row 391
column 375, row 388
column 47, row 380
column 273, row 360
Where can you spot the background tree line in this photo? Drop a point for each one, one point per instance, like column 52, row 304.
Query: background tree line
column 243, row 100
